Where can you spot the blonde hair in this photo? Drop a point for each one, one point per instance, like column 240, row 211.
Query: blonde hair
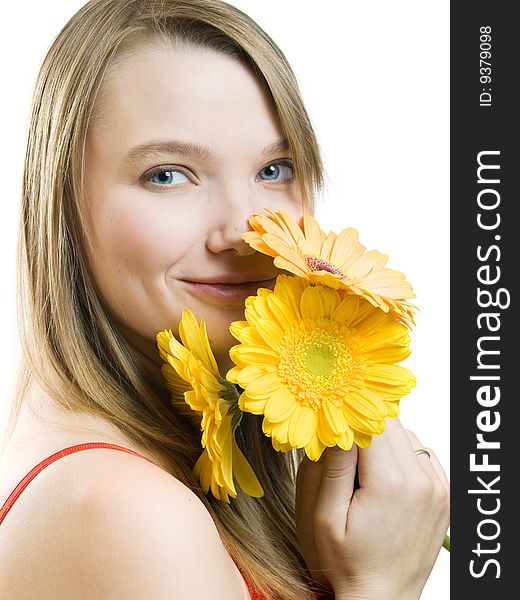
column 71, row 346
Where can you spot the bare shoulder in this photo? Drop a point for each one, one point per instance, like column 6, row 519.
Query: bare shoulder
column 146, row 535
column 114, row 526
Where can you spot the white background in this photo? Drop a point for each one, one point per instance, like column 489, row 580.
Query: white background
column 375, row 80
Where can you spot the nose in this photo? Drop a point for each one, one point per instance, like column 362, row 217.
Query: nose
column 233, row 207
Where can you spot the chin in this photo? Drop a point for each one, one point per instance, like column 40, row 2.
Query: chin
column 221, row 341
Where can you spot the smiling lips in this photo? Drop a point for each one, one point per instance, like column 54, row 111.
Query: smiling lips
column 225, row 290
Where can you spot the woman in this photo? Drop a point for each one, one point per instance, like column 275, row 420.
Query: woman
column 157, row 129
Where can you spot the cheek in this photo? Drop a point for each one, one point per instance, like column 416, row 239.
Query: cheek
column 296, row 211
column 134, row 245
column 131, row 239
column 288, row 200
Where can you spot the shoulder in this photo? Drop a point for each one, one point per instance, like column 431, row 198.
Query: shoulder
column 105, row 523
column 146, row 534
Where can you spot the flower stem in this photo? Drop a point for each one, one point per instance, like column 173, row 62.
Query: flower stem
column 447, row 543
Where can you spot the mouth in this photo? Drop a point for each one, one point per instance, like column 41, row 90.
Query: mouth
column 228, row 293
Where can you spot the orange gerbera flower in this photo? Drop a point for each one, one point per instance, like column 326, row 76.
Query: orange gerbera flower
column 335, row 260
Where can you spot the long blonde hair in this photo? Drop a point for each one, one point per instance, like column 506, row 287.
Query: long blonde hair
column 70, row 345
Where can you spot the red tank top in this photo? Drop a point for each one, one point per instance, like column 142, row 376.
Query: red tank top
column 11, row 499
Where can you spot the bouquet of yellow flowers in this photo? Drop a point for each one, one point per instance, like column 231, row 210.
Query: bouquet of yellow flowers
column 317, row 355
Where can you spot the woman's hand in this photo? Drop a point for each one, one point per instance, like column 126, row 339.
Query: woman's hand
column 377, row 537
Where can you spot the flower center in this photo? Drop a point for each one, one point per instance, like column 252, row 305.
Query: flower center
column 318, row 264
column 319, row 360
column 316, row 362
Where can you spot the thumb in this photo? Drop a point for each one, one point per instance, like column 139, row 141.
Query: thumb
column 337, row 486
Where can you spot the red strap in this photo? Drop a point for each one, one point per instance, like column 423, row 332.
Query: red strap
column 255, row 595
column 57, row 455
column 318, row 594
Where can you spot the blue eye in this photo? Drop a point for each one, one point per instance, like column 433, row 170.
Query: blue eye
column 279, row 171
column 169, row 177
column 166, row 176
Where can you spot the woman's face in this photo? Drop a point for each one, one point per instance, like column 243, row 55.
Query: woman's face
column 185, row 148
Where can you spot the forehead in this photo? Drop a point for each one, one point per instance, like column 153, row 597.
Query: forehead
column 186, row 93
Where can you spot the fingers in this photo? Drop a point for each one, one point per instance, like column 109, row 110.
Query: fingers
column 390, row 462
column 433, row 461
column 308, row 481
column 415, row 466
column 405, row 443
column 337, row 487
column 378, row 463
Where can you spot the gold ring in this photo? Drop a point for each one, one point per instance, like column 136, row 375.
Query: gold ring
column 422, row 451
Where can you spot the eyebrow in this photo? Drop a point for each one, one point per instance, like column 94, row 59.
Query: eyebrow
column 190, row 149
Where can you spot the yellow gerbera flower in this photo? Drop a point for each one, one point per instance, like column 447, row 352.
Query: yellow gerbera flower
column 209, row 394
column 175, row 384
column 335, row 260
column 319, row 364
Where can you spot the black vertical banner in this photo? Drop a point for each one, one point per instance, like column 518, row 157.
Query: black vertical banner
column 485, row 267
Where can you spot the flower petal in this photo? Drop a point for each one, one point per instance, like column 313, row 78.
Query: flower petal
column 270, row 331
column 314, row 235
column 278, row 431
column 335, row 417
column 163, row 342
column 292, row 228
column 331, row 280
column 256, row 241
column 245, row 375
column 196, row 340
column 311, row 306
column 346, row 439
column 233, row 374
column 362, row 439
column 243, row 355
column 392, row 354
column 359, row 422
column 263, row 387
column 324, row 430
column 282, row 263
column 366, row 264
column 280, row 311
column 392, row 409
column 244, row 474
column 302, row 426
column 290, row 289
column 346, row 310
column 392, row 333
column 372, row 323
column 281, row 247
column 280, row 405
column 366, row 403
column 314, row 449
column 236, row 328
column 347, row 249
column 247, row 404
column 390, row 375
column 226, row 463
column 328, row 245
column 330, row 300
